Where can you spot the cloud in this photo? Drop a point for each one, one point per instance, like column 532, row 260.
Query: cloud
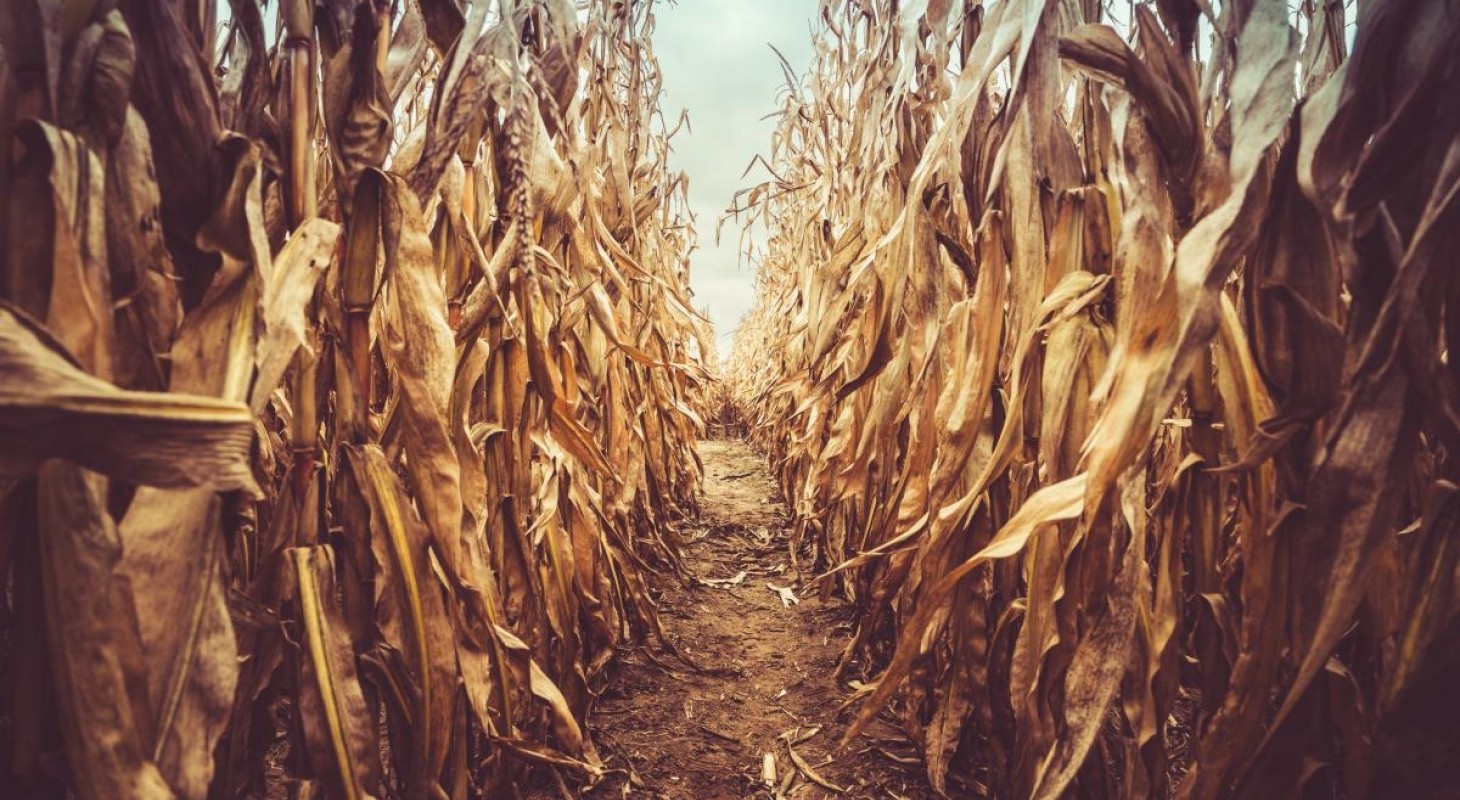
column 717, row 63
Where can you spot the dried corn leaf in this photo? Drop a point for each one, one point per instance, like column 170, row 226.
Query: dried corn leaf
column 49, row 409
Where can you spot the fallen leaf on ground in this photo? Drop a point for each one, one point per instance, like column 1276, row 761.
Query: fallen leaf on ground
column 788, row 598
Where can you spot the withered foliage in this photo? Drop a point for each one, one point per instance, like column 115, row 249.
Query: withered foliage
column 1107, row 356
column 346, row 391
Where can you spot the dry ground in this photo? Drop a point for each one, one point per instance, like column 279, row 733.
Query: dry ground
column 765, row 675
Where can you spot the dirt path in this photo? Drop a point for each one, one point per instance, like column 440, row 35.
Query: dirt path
column 766, row 669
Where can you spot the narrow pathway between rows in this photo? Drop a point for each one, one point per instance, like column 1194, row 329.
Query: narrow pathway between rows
column 766, row 656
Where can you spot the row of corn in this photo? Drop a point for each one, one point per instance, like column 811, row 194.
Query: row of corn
column 347, row 391
column 1106, row 355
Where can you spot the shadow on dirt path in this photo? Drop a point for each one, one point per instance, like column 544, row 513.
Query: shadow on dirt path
column 765, row 685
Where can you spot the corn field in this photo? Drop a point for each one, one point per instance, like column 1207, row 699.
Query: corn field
column 349, row 388
column 1105, row 355
column 351, row 382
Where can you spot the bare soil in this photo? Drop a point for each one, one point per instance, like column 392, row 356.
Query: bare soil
column 764, row 683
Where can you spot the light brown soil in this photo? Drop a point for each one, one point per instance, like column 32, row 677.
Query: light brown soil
column 765, row 674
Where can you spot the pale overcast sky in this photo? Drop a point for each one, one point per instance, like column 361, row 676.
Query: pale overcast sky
column 717, row 62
